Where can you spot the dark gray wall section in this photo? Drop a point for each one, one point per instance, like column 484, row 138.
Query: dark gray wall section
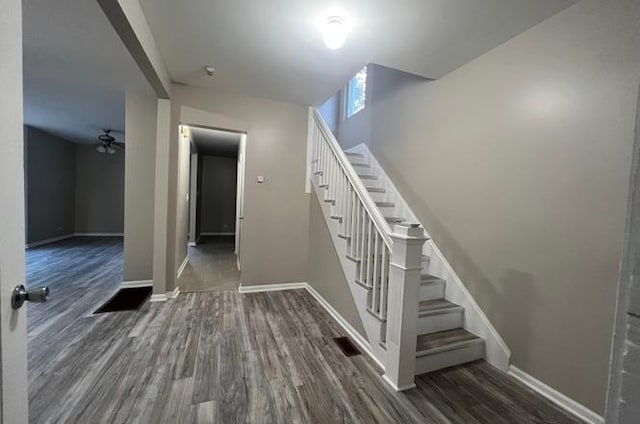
column 623, row 400
column 50, row 164
column 99, row 191
column 218, row 194
column 325, row 271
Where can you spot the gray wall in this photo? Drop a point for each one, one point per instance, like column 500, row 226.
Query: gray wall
column 325, row 270
column 99, row 191
column 518, row 165
column 50, row 171
column 139, row 186
column 218, row 194
column 276, row 213
column 330, row 111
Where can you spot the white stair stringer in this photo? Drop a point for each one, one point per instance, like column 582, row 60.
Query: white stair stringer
column 472, row 318
column 372, row 326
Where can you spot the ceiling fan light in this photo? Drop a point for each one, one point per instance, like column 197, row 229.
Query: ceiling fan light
column 334, row 32
column 101, row 149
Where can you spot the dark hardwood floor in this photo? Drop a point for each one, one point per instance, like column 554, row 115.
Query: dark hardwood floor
column 224, row 357
column 212, row 266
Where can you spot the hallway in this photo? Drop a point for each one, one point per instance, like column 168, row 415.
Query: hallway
column 212, row 266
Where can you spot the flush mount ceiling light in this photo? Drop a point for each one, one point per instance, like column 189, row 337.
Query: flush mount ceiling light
column 334, row 32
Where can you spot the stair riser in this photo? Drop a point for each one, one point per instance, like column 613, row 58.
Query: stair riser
column 358, row 160
column 449, row 358
column 440, row 322
column 379, row 197
column 432, row 291
column 387, row 210
column 371, row 183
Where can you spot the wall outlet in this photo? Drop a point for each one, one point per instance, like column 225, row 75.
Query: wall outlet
column 260, row 179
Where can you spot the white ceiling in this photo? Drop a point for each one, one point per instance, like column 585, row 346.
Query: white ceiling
column 215, row 142
column 76, row 70
column 274, row 49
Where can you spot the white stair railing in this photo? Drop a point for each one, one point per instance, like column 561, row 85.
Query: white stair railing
column 391, row 283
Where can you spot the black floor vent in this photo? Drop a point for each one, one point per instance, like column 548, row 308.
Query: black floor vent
column 130, row 299
column 346, row 345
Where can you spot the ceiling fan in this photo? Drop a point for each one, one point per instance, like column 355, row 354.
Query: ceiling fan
column 108, row 143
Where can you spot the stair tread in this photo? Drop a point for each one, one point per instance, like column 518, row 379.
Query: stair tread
column 358, row 155
column 376, row 190
column 428, row 278
column 361, row 165
column 442, row 339
column 385, row 204
column 393, row 219
column 436, row 305
column 367, row 177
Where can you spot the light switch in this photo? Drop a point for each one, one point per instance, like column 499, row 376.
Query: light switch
column 260, row 179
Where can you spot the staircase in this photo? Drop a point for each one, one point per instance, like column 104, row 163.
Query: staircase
column 417, row 315
column 441, row 339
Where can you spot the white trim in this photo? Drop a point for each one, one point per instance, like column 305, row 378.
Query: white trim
column 396, row 388
column 162, row 297
column 310, row 123
column 218, row 234
column 192, row 244
column 48, row 241
column 133, row 284
column 183, row 266
column 173, row 294
column 99, row 234
column 362, row 343
column 563, row 401
column 271, row 287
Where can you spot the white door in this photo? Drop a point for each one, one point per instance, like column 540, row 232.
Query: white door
column 13, row 340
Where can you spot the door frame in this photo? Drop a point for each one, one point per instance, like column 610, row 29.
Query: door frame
column 13, row 323
column 240, row 196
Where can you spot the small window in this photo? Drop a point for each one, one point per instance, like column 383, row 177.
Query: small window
column 356, row 92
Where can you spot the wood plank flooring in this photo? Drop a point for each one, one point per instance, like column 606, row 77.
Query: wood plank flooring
column 225, row 357
column 212, row 266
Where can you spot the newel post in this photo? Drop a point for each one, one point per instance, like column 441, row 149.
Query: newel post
column 402, row 312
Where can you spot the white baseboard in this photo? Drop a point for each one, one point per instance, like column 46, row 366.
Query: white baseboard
column 355, row 336
column 162, row 297
column 173, row 294
column 556, row 397
column 140, row 283
column 192, row 244
column 49, row 240
column 182, row 267
column 218, row 234
column 271, row 287
column 99, row 234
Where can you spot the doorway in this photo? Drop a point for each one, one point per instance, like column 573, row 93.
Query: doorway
column 215, row 209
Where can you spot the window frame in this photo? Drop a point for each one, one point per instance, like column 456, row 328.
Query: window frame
column 349, row 92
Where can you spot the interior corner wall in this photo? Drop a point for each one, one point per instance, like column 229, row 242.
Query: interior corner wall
column 218, row 194
column 99, row 199
column 139, row 185
column 518, row 164
column 276, row 212
column 330, row 111
column 50, row 180
column 325, row 270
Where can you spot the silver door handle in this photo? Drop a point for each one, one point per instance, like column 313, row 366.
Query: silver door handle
column 21, row 294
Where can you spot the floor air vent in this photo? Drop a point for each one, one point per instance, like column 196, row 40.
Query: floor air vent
column 129, row 299
column 346, row 346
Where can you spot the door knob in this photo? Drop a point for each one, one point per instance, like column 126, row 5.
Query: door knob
column 20, row 294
